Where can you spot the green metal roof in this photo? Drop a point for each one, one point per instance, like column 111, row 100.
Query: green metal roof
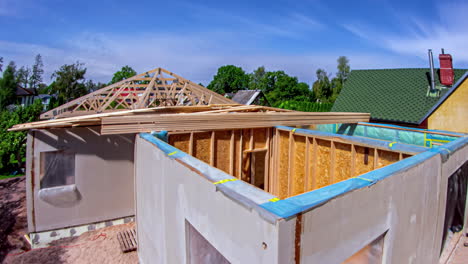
column 398, row 95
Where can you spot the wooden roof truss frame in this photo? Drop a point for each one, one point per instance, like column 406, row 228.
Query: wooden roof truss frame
column 155, row 88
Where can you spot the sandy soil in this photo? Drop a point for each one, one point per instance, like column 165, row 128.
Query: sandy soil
column 99, row 246
column 13, row 220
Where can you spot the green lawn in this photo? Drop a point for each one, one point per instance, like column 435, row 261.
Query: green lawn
column 10, row 176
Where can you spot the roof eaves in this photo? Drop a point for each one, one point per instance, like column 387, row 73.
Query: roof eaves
column 253, row 97
column 444, row 97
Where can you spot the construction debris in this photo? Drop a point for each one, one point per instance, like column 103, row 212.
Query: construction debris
column 127, row 240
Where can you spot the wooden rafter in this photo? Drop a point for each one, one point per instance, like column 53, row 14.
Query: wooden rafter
column 154, row 88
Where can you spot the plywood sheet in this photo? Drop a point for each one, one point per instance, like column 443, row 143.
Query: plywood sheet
column 260, row 137
column 283, row 154
column 180, row 141
column 342, row 162
column 298, row 173
column 323, row 163
column 222, row 150
column 364, row 160
column 201, row 146
column 387, row 158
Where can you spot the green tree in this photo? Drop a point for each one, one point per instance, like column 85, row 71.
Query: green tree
column 8, row 85
column 322, row 87
column 1, row 64
column 69, row 82
column 92, row 86
column 343, row 69
column 124, row 73
column 256, row 78
column 229, row 79
column 22, row 76
column 36, row 73
column 279, row 86
column 13, row 144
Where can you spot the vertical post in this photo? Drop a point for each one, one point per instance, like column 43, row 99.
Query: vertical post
column 251, row 157
column 332, row 162
column 266, row 180
column 313, row 183
column 353, row 160
column 307, row 164
column 241, row 153
column 212, row 149
column 291, row 163
column 231, row 153
column 376, row 158
column 191, row 144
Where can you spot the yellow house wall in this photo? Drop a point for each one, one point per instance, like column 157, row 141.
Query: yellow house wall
column 452, row 115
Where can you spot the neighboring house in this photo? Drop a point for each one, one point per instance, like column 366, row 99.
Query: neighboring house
column 249, row 97
column 404, row 97
column 45, row 99
column 25, row 96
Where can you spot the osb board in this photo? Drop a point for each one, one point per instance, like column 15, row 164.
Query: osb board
column 202, row 146
column 258, row 167
column 311, row 181
column 323, row 163
column 386, row 158
column 260, row 137
column 180, row 141
column 342, row 162
column 283, row 170
column 298, row 173
column 361, row 165
column 222, row 150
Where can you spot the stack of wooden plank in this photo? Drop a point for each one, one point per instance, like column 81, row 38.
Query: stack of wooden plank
column 189, row 118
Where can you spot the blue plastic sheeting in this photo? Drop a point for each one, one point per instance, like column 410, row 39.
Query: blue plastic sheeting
column 291, row 206
column 171, row 151
column 368, row 141
column 448, row 149
column 392, row 133
column 162, row 135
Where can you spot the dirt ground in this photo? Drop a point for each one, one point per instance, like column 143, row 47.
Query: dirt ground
column 99, row 246
column 13, row 222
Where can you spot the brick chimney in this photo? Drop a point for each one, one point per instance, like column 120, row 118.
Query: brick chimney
column 446, row 69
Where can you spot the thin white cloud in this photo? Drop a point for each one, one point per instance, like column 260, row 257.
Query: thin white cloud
column 195, row 57
column 419, row 35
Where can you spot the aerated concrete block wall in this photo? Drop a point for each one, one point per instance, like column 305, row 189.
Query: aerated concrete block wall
column 404, row 203
column 104, row 179
column 170, row 195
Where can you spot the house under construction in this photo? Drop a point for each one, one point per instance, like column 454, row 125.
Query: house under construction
column 210, row 181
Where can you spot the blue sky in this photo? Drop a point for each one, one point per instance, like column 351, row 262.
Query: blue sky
column 194, row 38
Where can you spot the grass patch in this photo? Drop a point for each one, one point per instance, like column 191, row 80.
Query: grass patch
column 10, row 176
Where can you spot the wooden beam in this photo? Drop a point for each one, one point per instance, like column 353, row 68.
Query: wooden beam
column 332, row 161
column 212, row 148
column 290, row 162
column 232, row 153
column 313, row 184
column 353, row 160
column 266, row 181
column 376, row 158
column 307, row 164
column 241, row 154
column 191, row 144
